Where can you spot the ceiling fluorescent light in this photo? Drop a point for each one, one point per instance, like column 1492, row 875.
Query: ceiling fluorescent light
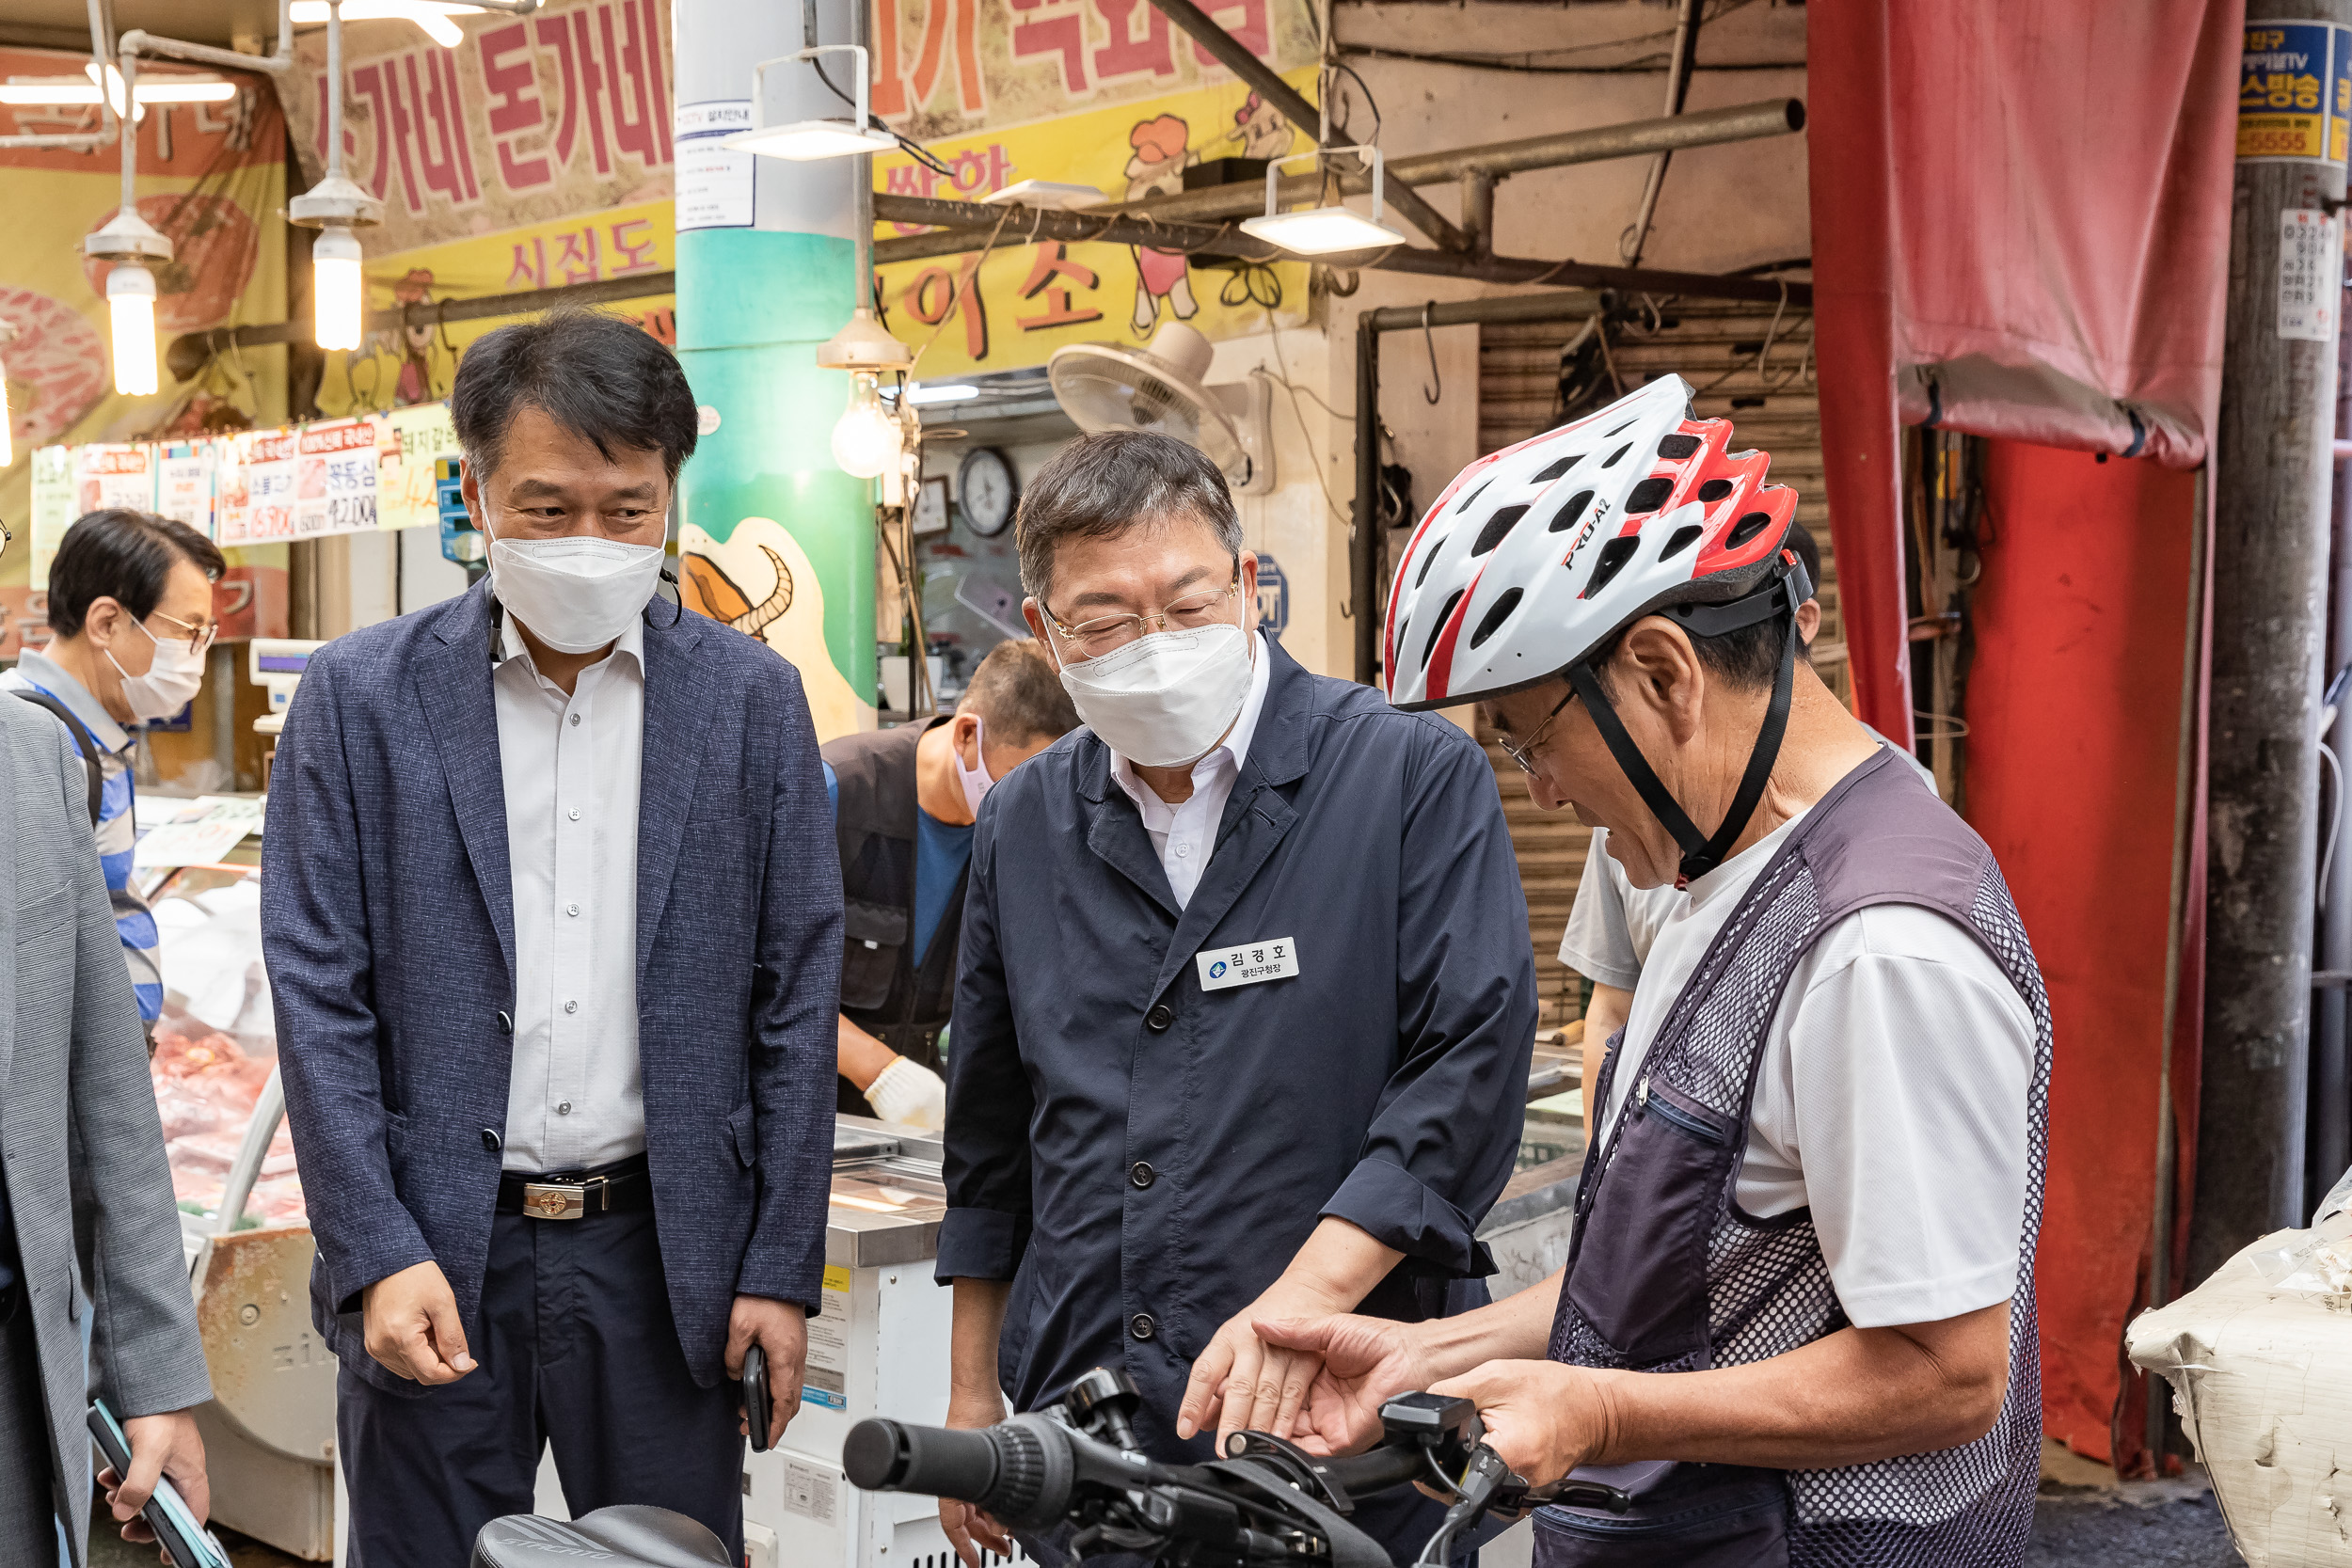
column 1051, row 194
column 1322, row 231
column 808, row 140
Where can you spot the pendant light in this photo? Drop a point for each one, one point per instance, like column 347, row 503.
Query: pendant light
column 336, row 206
column 808, row 140
column 132, row 244
column 1321, row 230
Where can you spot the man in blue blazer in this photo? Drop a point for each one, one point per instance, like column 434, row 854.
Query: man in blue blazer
column 553, row 922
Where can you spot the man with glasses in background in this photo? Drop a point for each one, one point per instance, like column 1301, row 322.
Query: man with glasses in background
column 131, row 608
column 1245, row 998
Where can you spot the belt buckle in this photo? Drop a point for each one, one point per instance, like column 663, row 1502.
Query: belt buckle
column 555, row 1201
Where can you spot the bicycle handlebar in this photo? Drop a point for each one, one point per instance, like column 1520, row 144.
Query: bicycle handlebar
column 1267, row 1502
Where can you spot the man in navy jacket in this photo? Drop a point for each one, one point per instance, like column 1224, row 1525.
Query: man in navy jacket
column 1246, row 995
column 553, row 922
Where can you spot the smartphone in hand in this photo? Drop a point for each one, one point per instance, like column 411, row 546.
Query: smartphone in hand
column 758, row 1405
column 166, row 1513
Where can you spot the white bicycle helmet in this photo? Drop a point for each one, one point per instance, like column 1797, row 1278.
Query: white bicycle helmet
column 1535, row 557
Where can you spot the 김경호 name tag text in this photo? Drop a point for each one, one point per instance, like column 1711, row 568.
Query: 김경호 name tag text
column 1274, row 959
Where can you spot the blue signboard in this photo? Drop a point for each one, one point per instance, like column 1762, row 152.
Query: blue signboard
column 1274, row 596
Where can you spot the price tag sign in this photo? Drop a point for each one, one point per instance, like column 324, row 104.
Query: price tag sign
column 335, row 480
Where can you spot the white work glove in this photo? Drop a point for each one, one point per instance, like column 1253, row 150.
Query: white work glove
column 910, row 1094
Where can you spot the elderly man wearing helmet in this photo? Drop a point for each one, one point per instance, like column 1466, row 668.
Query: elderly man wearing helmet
column 1796, row 1318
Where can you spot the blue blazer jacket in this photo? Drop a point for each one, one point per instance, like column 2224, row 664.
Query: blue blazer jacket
column 387, row 923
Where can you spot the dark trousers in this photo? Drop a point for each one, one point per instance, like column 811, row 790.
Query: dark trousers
column 576, row 1350
column 28, row 1498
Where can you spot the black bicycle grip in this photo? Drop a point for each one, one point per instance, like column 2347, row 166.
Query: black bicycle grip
column 1013, row 1469
column 1376, row 1470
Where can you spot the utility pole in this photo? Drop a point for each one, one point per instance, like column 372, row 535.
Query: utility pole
column 2273, row 475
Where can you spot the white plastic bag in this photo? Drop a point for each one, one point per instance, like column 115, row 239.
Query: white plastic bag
column 2260, row 1360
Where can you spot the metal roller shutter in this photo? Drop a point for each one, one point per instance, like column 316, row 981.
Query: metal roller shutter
column 1748, row 368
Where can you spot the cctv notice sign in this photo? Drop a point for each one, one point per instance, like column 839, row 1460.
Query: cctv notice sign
column 2295, row 93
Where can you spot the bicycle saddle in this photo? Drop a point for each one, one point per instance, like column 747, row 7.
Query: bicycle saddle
column 631, row 1536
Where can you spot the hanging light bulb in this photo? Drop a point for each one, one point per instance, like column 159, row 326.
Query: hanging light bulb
column 865, row 439
column 130, row 300
column 335, row 206
column 338, row 292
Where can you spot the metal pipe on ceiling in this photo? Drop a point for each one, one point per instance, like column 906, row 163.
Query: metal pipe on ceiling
column 101, row 51
column 1772, row 117
column 141, row 41
column 188, row 354
column 1014, row 224
column 1231, row 54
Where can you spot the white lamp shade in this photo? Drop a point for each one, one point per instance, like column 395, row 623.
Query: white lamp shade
column 806, row 141
column 131, row 301
column 1321, row 230
column 339, row 292
column 866, row 438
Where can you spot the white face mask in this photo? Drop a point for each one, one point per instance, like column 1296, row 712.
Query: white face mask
column 1164, row 699
column 575, row 593
column 974, row 780
column 169, row 684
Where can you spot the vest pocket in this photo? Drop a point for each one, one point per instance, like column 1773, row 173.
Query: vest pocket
column 1734, row 1519
column 1639, row 1278
column 872, row 935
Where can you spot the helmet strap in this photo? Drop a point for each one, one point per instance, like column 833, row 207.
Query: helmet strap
column 1701, row 854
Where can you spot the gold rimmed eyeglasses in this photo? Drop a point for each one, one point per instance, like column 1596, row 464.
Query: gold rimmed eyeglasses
column 1107, row 633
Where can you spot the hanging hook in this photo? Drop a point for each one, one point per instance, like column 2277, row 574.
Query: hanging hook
column 1436, row 388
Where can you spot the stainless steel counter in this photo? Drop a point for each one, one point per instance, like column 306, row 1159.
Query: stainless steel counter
column 887, row 1196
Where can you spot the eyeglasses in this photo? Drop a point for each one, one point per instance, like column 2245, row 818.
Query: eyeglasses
column 1524, row 753
column 1101, row 636
column 199, row 637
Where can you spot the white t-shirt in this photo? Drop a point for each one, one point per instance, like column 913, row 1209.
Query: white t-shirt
column 1892, row 1098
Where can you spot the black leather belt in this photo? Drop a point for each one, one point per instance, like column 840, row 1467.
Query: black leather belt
column 624, row 1187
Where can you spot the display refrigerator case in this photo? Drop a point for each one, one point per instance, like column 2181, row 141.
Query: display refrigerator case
column 269, row 1430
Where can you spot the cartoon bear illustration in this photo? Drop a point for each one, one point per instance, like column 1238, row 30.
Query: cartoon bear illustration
column 1157, row 169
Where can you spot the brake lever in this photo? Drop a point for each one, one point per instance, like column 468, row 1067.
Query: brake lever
column 1515, row 1493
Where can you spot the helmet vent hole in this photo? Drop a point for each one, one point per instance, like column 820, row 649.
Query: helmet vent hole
column 1648, row 496
column 1610, row 461
column 1683, row 539
column 1557, row 470
column 1504, row 518
column 1676, row 447
column 1474, row 495
column 1492, row 621
column 1714, row 489
column 1746, row 528
column 1435, row 631
column 1628, row 425
column 1614, row 555
column 1430, row 559
column 1565, row 518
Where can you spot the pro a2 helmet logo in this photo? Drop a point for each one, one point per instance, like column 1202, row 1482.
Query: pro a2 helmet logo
column 1601, row 514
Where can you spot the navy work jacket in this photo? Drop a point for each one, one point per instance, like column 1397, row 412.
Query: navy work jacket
column 1142, row 1157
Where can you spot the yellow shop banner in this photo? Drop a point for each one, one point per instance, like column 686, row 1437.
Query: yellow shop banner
column 966, row 314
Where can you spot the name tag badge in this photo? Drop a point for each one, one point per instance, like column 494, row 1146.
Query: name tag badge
column 1275, row 959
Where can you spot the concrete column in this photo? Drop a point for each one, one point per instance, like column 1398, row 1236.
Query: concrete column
column 763, row 503
column 2273, row 476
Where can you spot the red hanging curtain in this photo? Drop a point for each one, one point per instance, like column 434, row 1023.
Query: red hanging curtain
column 2020, row 228
column 2021, row 224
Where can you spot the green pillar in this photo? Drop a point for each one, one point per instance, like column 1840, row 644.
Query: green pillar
column 766, row 274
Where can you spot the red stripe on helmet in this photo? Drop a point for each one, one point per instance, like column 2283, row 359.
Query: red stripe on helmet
column 1441, row 656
